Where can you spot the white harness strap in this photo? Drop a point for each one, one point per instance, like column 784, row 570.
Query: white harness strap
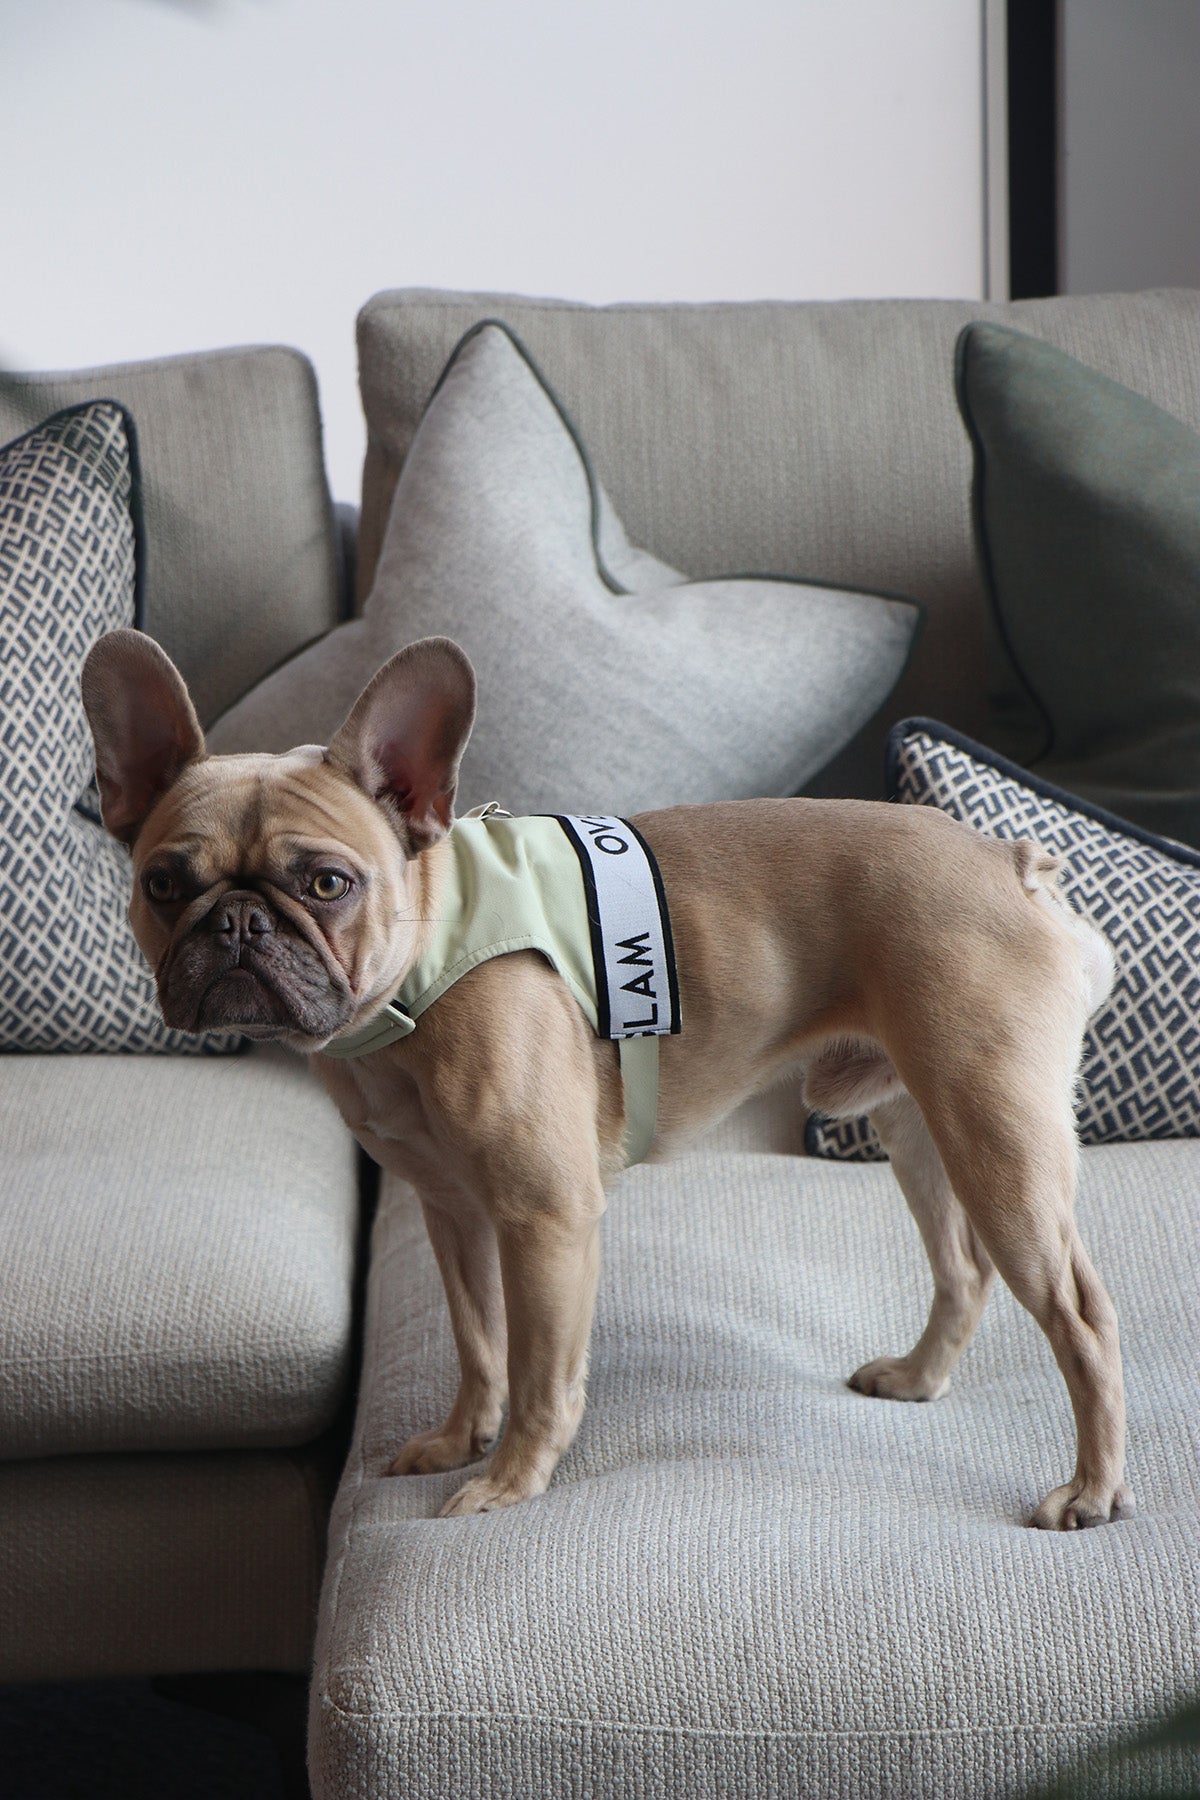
column 639, row 1079
column 637, row 987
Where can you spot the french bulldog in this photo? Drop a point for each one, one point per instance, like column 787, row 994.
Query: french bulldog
column 903, row 964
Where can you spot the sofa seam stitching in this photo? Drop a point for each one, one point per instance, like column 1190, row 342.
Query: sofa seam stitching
column 737, row 1735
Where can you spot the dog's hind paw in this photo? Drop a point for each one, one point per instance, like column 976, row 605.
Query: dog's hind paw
column 1076, row 1506
column 897, row 1378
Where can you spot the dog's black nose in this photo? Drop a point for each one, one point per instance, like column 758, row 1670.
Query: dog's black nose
column 242, row 917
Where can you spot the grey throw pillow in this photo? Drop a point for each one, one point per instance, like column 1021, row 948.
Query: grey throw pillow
column 1141, row 1064
column 71, row 976
column 607, row 680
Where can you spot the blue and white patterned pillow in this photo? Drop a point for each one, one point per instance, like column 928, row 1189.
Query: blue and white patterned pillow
column 71, row 976
column 1141, row 1067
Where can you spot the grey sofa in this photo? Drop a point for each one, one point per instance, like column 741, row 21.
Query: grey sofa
column 745, row 1579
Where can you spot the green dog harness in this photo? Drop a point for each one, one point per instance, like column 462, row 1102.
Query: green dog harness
column 586, row 893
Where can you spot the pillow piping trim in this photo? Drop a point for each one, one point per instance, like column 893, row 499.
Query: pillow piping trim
column 1046, row 790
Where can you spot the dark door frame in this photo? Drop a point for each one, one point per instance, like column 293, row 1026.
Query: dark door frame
column 1033, row 200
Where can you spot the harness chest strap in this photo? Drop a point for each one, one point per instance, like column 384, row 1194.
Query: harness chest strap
column 586, row 892
column 639, row 1078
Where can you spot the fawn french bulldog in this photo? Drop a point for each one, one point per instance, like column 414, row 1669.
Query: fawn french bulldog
column 906, row 965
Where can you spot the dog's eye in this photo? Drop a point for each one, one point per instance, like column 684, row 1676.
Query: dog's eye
column 327, row 884
column 161, row 887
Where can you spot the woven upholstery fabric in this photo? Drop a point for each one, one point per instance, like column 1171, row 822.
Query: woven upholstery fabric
column 1141, row 1056
column 745, row 1578
column 71, row 975
column 241, row 549
column 607, row 681
column 160, row 1564
column 818, row 441
column 176, row 1251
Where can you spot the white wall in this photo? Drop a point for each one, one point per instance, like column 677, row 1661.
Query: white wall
column 1130, row 145
column 178, row 176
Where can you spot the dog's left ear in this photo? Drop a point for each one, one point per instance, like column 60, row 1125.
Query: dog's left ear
column 144, row 725
column 405, row 735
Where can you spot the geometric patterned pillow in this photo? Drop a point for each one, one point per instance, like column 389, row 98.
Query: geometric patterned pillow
column 1141, row 1067
column 71, row 976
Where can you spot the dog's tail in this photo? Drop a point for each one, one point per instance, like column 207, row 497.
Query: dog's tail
column 1040, row 872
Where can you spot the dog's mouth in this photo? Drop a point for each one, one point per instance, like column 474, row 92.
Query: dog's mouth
column 295, row 1001
column 241, row 1000
column 266, row 981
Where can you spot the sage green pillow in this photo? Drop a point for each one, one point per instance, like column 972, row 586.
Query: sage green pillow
column 1087, row 512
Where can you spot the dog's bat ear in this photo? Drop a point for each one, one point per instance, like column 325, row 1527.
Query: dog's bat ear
column 144, row 726
column 405, row 735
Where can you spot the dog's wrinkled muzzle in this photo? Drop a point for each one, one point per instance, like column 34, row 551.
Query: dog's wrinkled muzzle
column 240, row 966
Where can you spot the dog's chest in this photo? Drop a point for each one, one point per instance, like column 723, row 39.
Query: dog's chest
column 379, row 1098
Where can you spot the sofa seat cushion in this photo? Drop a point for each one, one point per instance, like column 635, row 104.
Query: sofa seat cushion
column 745, row 1578
column 176, row 1253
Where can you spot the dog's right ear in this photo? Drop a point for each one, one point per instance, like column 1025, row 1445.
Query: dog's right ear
column 144, row 726
column 405, row 735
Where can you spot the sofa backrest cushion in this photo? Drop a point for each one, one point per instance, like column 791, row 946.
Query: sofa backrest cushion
column 819, row 441
column 240, row 544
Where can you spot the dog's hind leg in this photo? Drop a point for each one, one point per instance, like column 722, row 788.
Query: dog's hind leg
column 962, row 1268
column 1012, row 1161
column 855, row 1075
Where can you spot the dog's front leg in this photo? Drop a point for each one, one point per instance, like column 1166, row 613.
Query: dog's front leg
column 550, row 1264
column 464, row 1243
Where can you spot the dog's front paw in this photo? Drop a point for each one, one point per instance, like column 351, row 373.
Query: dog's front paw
column 897, row 1378
column 1075, row 1506
column 488, row 1493
column 432, row 1452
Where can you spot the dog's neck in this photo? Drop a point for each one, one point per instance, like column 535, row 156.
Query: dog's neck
column 426, row 879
